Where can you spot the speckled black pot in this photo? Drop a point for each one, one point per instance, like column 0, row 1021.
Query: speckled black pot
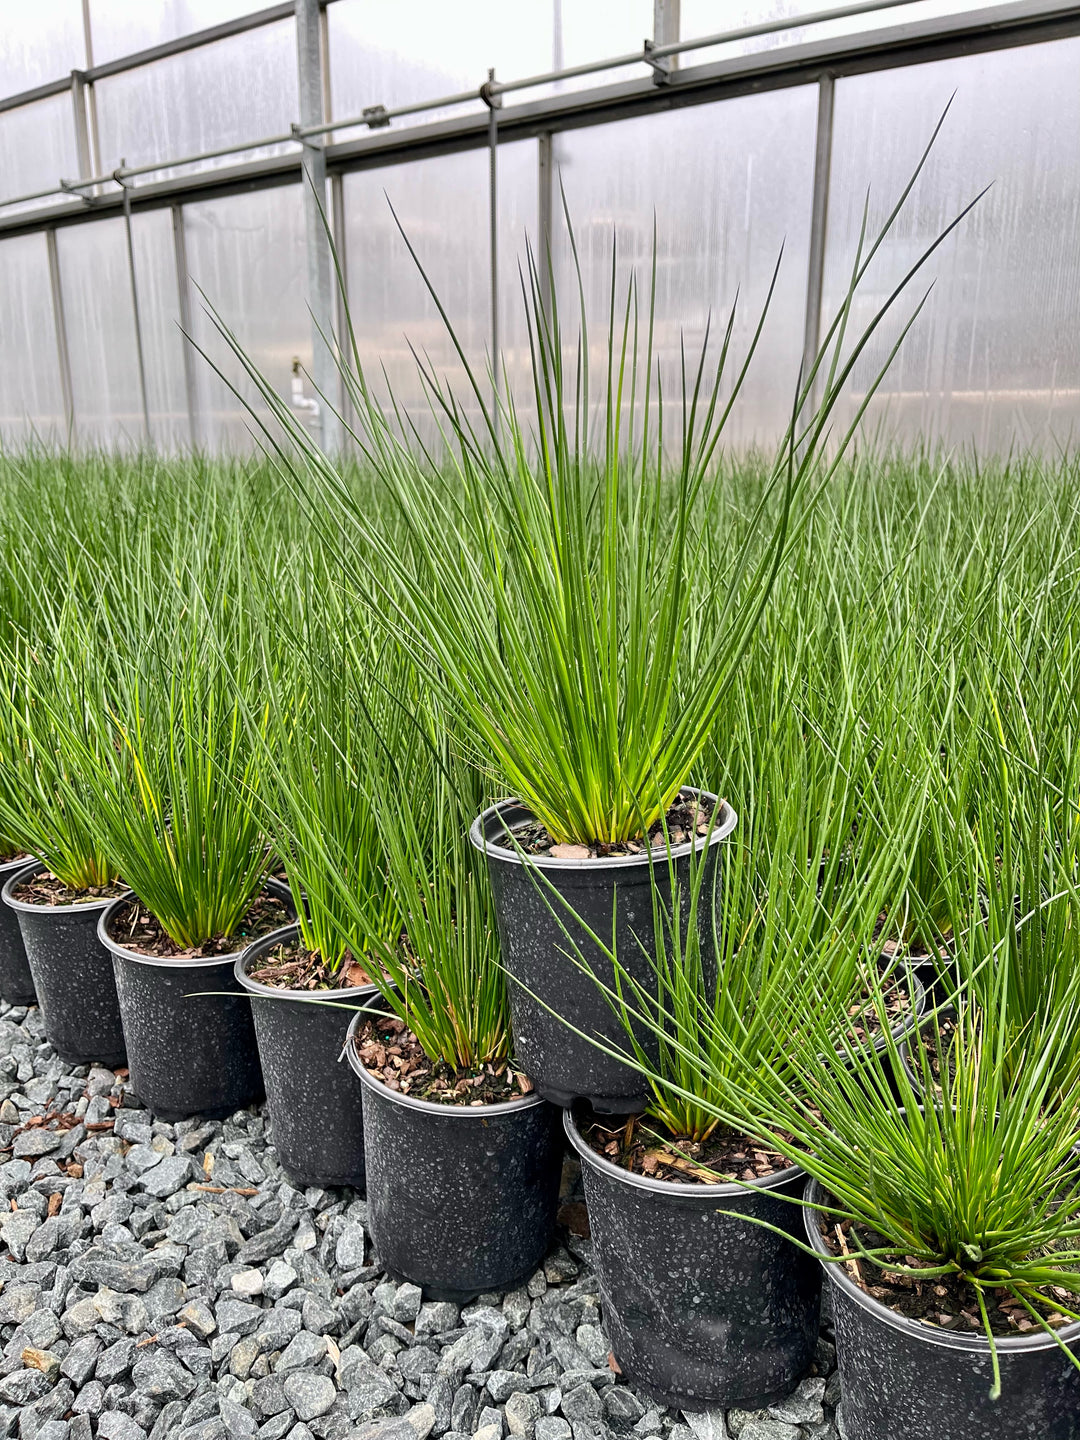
column 313, row 1096
column 191, row 1050
column 902, row 1380
column 563, row 1066
column 702, row 1309
column 16, row 982
column 460, row 1199
column 73, row 976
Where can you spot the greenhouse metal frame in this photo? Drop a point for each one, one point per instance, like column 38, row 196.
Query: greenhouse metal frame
column 320, row 157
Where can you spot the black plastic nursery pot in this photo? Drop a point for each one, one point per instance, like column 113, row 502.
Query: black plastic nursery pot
column 903, row 1380
column 461, row 1199
column 16, row 982
column 313, row 1096
column 72, row 974
column 544, row 965
column 191, row 1049
column 702, row 1309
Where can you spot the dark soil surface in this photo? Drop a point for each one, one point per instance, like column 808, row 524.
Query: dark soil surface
column 865, row 1021
column 928, row 1040
column 136, row 929
column 292, row 967
column 46, row 890
column 947, row 1303
column 646, row 1147
column 11, row 856
column 392, row 1053
column 687, row 818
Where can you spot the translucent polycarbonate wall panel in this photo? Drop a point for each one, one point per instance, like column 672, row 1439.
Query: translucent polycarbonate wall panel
column 442, row 205
column 119, row 27
column 423, row 49
column 37, row 149
column 518, row 198
column 39, row 43
column 995, row 356
column 31, row 395
column 727, row 185
column 159, row 313
column 246, row 252
column 100, row 319
column 715, row 17
column 237, row 90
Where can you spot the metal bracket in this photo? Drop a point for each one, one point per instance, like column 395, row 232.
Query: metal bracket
column 376, row 117
column 490, row 94
column 659, row 64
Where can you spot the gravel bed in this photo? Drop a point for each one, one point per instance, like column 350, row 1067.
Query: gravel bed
column 166, row 1280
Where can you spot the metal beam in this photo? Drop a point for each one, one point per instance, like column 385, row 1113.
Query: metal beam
column 976, row 32
column 819, row 219
column 183, row 290
column 309, row 55
column 63, row 354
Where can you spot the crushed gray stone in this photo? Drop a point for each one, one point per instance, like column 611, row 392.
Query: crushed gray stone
column 162, row 1302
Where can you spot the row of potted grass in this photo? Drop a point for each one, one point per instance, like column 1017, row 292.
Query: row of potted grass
column 573, row 626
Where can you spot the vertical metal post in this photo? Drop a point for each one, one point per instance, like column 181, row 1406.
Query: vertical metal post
column 309, row 54
column 62, row 352
column 83, row 153
column 819, row 219
column 183, row 290
column 493, row 227
column 90, row 97
column 337, row 222
column 139, row 355
column 666, row 27
column 544, row 213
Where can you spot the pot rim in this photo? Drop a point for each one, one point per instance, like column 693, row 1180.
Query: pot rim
column 930, row 1335
column 23, row 906
column 485, row 820
column 20, row 862
column 157, row 962
column 251, row 953
column 678, row 1189
column 428, row 1107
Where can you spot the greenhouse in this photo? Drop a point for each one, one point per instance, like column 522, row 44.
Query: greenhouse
column 539, row 712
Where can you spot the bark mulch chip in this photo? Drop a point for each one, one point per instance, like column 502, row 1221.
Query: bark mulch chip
column 644, row 1146
column 687, row 818
column 136, row 929
column 46, row 890
column 942, row 1302
column 392, row 1053
column 293, row 967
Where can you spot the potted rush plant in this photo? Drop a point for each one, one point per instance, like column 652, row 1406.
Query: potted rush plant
column 174, row 807
column 57, row 898
column 16, row 982
column 304, row 980
column 548, row 585
column 463, row 1156
column 703, row 1310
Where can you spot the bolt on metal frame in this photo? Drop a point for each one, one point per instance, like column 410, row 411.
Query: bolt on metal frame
column 1000, row 25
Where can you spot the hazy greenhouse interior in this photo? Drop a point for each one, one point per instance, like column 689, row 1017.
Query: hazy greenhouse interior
column 110, row 249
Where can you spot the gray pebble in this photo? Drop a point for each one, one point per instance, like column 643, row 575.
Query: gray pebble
column 309, row 1395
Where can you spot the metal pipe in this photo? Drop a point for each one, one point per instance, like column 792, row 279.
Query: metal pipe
column 377, row 116
column 63, row 354
column 493, row 238
column 786, row 22
column 819, row 219
column 324, row 371
column 140, row 357
column 183, row 292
